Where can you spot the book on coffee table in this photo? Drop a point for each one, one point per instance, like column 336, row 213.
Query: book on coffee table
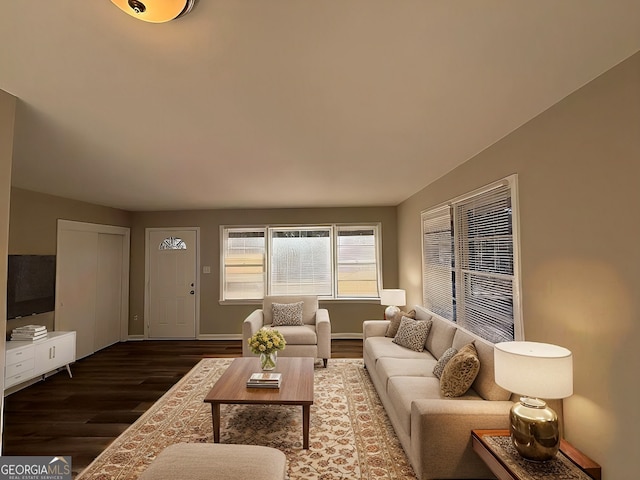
column 265, row 380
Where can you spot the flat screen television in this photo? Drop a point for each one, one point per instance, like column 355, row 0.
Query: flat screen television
column 31, row 285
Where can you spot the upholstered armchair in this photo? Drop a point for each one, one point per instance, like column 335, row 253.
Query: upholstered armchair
column 305, row 327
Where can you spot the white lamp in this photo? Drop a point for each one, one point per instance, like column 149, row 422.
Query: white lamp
column 534, row 370
column 392, row 297
column 155, row 11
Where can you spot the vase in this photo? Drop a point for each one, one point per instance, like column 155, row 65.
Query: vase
column 268, row 360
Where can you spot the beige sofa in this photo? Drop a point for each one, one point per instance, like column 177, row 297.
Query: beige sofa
column 435, row 431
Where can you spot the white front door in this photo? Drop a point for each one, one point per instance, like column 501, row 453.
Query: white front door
column 172, row 273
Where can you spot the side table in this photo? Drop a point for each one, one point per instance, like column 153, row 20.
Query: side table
column 496, row 451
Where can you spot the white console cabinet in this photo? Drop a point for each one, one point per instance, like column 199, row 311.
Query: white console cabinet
column 28, row 360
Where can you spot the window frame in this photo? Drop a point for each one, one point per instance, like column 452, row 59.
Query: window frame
column 458, row 269
column 334, row 229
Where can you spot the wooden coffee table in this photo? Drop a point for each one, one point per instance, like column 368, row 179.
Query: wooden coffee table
column 296, row 389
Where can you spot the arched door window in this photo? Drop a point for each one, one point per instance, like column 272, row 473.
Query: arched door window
column 172, row 243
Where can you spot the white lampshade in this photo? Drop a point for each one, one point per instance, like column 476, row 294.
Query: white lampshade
column 393, row 296
column 534, row 369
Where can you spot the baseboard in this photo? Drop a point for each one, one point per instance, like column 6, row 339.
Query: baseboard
column 238, row 336
column 347, row 336
column 220, row 336
column 231, row 336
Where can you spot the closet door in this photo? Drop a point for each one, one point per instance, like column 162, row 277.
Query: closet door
column 76, row 282
column 92, row 271
column 108, row 290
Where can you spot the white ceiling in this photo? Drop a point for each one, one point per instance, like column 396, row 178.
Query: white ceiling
column 286, row 103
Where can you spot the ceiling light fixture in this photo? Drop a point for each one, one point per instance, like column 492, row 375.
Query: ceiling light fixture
column 155, row 11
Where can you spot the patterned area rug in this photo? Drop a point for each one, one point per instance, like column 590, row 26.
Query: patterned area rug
column 350, row 434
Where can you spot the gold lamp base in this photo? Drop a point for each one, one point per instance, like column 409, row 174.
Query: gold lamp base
column 390, row 312
column 534, row 430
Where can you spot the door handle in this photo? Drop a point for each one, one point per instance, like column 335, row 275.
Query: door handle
column 192, row 292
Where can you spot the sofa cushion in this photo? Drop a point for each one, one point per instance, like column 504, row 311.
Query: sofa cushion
column 485, row 383
column 381, row 347
column 405, row 367
column 394, row 323
column 460, row 372
column 440, row 336
column 443, row 360
column 287, row 314
column 412, row 333
column 304, row 335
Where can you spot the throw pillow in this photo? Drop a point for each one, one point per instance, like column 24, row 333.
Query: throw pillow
column 412, row 333
column 460, row 372
column 392, row 329
column 286, row 314
column 443, row 360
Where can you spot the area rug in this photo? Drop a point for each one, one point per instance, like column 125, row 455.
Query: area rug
column 350, row 434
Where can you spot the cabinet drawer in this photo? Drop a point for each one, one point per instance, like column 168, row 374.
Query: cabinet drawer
column 19, row 378
column 15, row 356
column 19, row 367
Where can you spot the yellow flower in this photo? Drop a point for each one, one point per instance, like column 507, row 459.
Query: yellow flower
column 266, row 340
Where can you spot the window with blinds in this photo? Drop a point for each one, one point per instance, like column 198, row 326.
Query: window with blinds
column 301, row 261
column 469, row 262
column 438, row 282
column 357, row 262
column 331, row 261
column 243, row 270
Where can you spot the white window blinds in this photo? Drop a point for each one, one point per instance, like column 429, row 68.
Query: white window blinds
column 356, row 258
column 469, row 273
column 438, row 274
column 243, row 263
column 484, row 258
column 301, row 262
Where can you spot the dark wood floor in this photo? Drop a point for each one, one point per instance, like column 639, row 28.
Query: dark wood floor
column 110, row 389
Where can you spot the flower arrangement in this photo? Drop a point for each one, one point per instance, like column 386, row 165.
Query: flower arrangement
column 266, row 341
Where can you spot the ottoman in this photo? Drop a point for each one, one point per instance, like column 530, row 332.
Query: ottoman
column 207, row 461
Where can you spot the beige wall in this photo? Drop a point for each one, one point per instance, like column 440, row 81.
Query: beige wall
column 33, row 229
column 217, row 319
column 34, row 220
column 579, row 189
column 7, row 116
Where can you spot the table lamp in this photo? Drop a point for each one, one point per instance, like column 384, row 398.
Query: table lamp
column 392, row 297
column 535, row 371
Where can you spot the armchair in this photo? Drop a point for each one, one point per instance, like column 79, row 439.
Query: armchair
column 311, row 339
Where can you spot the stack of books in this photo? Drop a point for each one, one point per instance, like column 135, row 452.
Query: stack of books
column 29, row 332
column 264, row 380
